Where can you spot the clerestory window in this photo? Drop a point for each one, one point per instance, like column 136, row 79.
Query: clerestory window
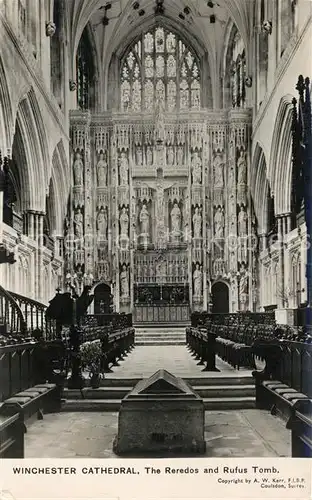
column 159, row 67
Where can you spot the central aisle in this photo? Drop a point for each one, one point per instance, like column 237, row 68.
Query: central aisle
column 143, row 361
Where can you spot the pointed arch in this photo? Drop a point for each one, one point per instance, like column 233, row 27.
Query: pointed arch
column 136, row 39
column 30, row 146
column 60, row 187
column 6, row 113
column 280, row 169
column 260, row 188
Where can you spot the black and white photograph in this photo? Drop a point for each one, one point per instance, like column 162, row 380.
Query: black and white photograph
column 155, row 227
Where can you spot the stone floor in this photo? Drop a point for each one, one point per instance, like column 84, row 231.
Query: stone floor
column 143, row 361
column 243, row 433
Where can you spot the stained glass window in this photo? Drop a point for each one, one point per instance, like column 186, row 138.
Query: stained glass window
column 160, row 67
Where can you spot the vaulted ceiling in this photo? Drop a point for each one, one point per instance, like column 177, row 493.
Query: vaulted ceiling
column 115, row 22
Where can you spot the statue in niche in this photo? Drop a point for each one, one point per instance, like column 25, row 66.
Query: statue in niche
column 170, row 156
column 124, row 222
column 144, row 220
column 149, row 156
column 78, row 170
column 176, row 218
column 219, row 223
column 180, row 155
column 78, row 222
column 123, row 169
column 242, row 169
column 159, row 122
column 101, row 171
column 232, row 261
column 242, row 222
column 198, row 281
column 124, row 282
column 196, row 168
column 218, row 171
column 243, row 286
column 138, row 155
column 102, row 222
column 197, row 223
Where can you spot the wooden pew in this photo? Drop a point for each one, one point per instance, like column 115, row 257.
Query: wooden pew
column 12, row 435
column 34, row 402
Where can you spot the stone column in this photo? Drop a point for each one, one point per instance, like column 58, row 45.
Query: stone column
column 88, row 209
column 286, row 222
column 1, row 214
column 38, row 237
column 263, row 243
column 115, row 216
column 281, row 291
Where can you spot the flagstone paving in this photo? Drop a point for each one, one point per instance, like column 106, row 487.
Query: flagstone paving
column 243, row 433
column 143, row 361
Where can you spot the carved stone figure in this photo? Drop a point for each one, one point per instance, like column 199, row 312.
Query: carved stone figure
column 123, row 169
column 197, row 223
column 243, row 288
column 124, row 222
column 50, row 28
column 149, row 156
column 176, row 218
column 102, row 222
column 78, row 170
column 197, row 281
column 138, row 155
column 218, row 171
column 242, row 222
column 144, row 220
column 124, row 282
column 232, row 261
column 242, row 169
column 180, row 155
column 101, row 171
column 170, row 156
column 219, row 223
column 78, row 223
column 159, row 123
column 196, row 168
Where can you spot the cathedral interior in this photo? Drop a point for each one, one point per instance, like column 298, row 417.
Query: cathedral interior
column 156, row 154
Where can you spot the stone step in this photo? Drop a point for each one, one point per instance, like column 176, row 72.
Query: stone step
column 158, row 335
column 158, row 338
column 113, row 405
column 159, row 342
column 216, row 391
column 203, row 380
column 161, row 327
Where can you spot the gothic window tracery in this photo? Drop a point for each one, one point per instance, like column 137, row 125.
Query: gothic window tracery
column 85, row 73
column 238, row 72
column 160, row 67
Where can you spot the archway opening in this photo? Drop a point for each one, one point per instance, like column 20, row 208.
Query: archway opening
column 102, row 299
column 220, row 298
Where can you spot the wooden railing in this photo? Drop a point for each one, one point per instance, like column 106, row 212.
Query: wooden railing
column 24, row 317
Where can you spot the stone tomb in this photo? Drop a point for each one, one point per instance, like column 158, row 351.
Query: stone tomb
column 163, row 416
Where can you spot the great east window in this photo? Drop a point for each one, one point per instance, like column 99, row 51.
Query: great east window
column 159, row 67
